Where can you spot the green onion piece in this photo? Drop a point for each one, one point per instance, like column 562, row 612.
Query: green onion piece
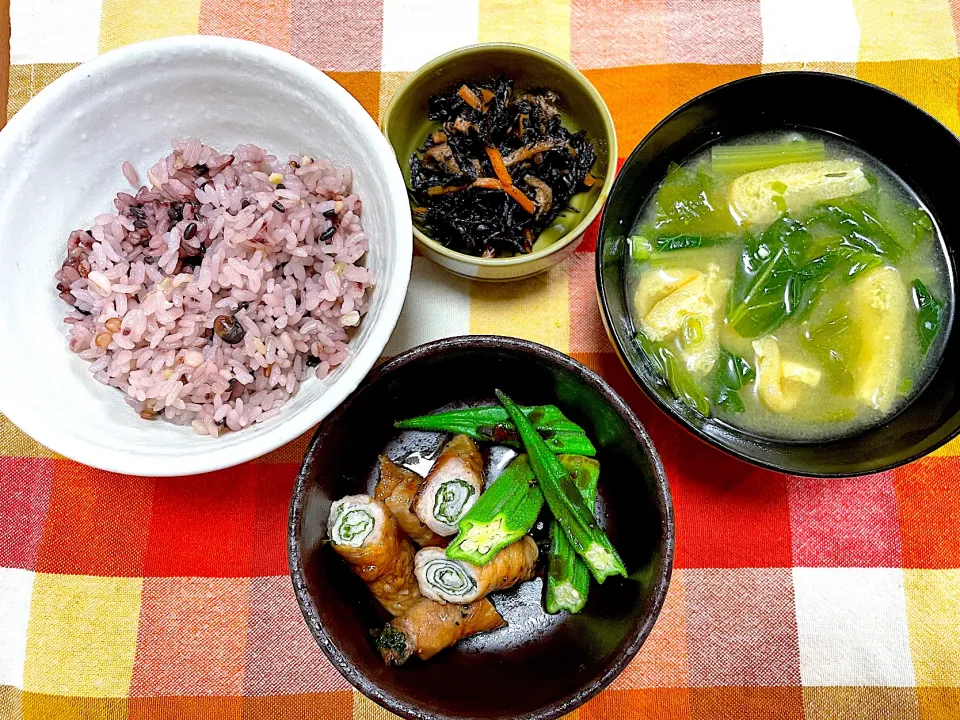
column 691, row 331
column 491, row 424
column 669, row 243
column 568, row 577
column 740, row 159
column 504, row 513
column 640, row 248
column 565, row 501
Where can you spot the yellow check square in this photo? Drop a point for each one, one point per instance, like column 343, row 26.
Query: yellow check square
column 542, row 23
column 129, row 21
column 82, row 635
column 24, row 84
column 897, row 29
column 537, row 308
column 933, row 613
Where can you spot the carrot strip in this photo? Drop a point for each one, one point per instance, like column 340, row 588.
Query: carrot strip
column 589, row 181
column 487, row 95
column 511, row 190
column 496, row 159
column 469, row 97
column 525, row 202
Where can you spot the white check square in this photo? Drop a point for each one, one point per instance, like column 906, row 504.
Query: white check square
column 852, row 624
column 16, row 591
column 809, row 31
column 57, row 32
column 431, row 287
column 415, row 31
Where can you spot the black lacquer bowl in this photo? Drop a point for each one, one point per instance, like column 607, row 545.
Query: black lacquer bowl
column 539, row 666
column 919, row 149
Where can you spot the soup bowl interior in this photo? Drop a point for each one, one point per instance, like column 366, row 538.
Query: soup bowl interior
column 538, row 666
column 914, row 145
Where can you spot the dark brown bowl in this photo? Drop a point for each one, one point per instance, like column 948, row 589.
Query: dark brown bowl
column 539, row 666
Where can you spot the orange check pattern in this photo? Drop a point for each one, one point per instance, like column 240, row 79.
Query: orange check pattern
column 129, row 597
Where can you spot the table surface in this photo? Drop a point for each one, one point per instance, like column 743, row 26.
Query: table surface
column 791, row 598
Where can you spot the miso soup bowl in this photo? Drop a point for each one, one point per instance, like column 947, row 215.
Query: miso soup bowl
column 913, row 144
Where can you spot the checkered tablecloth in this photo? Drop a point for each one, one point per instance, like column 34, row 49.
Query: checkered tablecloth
column 791, row 598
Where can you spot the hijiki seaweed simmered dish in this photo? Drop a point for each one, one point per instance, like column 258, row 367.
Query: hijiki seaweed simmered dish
column 499, row 170
column 211, row 294
column 790, row 285
column 475, row 537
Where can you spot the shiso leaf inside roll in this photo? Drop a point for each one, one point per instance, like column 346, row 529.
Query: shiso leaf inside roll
column 366, row 534
column 451, row 487
column 352, row 523
column 444, row 579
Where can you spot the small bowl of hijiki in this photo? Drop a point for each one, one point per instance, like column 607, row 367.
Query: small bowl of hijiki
column 483, row 512
column 783, row 282
column 508, row 153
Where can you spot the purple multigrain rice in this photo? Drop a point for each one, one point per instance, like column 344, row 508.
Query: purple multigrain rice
column 130, row 173
column 206, row 240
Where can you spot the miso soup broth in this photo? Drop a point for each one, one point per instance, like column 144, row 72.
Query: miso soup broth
column 789, row 285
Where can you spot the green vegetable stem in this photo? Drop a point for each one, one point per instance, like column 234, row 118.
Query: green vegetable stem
column 491, row 424
column 568, row 577
column 565, row 501
column 669, row 243
column 740, row 159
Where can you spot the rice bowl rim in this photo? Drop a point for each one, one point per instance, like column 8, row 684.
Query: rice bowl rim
column 16, row 403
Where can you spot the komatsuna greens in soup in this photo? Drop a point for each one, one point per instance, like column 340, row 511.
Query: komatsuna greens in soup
column 789, row 285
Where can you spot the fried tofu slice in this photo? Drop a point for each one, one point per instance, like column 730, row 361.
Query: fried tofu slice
column 758, row 198
column 879, row 306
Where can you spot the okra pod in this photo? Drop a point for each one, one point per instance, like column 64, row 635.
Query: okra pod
column 565, row 501
column 568, row 578
column 504, row 513
column 491, row 424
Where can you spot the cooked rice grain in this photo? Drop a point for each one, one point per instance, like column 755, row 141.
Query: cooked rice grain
column 215, row 235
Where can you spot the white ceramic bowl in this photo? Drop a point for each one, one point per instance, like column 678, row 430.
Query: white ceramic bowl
column 60, row 158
